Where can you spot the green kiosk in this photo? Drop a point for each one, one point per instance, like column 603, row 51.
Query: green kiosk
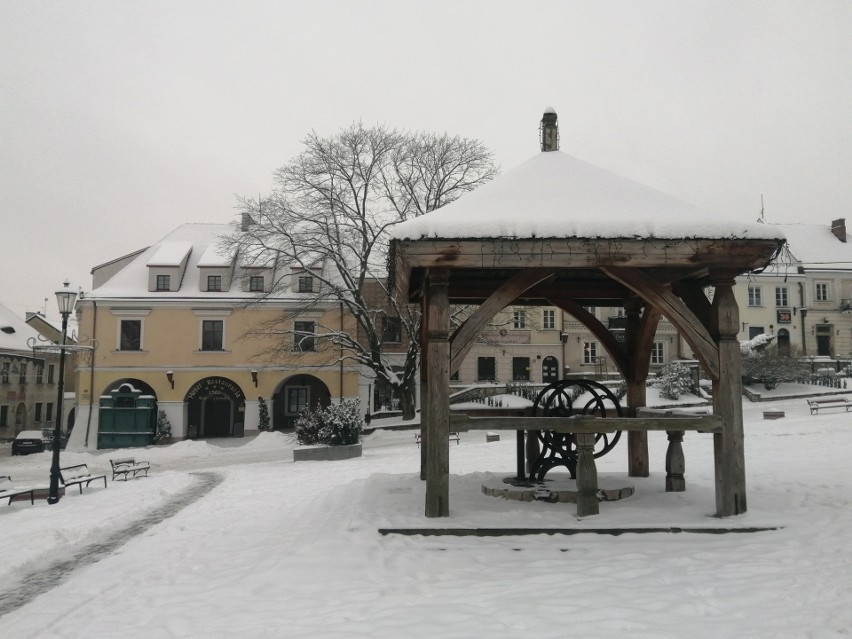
column 127, row 419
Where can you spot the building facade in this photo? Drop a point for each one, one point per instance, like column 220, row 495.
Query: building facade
column 184, row 329
column 804, row 298
column 28, row 380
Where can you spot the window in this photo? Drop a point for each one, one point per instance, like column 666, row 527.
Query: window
column 548, row 319
column 256, row 284
column 40, row 374
column 521, row 369
column 37, row 412
column 298, row 398
column 22, row 378
column 754, row 331
column 306, row 284
column 4, row 374
column 486, row 369
column 214, row 282
column 48, row 413
column 163, row 282
column 519, row 318
column 50, row 370
column 212, row 335
column 754, row 296
column 391, row 329
column 4, row 416
column 781, row 296
column 821, row 290
column 590, row 352
column 657, row 353
column 303, row 336
column 130, row 332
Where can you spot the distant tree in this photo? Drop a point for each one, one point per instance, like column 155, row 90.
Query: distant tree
column 329, row 214
column 263, row 412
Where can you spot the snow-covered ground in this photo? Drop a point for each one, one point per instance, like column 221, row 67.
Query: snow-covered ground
column 279, row 549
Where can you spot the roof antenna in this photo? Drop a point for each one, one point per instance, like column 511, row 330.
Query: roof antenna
column 549, row 131
column 760, row 219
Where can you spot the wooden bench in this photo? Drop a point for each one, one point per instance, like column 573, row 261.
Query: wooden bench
column 454, row 437
column 78, row 475
column 8, row 489
column 128, row 466
column 835, row 402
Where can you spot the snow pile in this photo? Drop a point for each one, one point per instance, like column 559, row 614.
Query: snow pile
column 282, row 549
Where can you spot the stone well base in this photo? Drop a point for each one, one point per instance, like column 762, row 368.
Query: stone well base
column 326, row 453
column 610, row 488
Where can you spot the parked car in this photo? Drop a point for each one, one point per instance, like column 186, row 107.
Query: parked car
column 27, row 441
column 47, row 438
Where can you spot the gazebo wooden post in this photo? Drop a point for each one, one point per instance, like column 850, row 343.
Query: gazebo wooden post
column 437, row 393
column 637, row 442
column 424, row 391
column 727, row 403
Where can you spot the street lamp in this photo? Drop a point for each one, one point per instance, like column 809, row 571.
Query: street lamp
column 65, row 298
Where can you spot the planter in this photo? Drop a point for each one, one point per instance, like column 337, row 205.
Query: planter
column 326, row 453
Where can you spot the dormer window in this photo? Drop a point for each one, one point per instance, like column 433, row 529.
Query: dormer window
column 256, row 284
column 306, row 284
column 163, row 283
column 214, row 283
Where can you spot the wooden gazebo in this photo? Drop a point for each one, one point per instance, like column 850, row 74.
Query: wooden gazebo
column 559, row 232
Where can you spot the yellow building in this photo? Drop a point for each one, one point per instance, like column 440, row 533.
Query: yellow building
column 176, row 328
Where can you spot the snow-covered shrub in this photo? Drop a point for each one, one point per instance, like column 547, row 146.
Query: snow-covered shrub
column 164, row 426
column 770, row 368
column 675, row 379
column 334, row 425
column 756, row 344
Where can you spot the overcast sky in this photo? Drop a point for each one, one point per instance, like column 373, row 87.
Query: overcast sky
column 120, row 120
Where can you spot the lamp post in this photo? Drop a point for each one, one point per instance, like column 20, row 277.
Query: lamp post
column 65, row 298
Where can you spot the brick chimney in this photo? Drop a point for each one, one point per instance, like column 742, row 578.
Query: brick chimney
column 549, row 131
column 838, row 227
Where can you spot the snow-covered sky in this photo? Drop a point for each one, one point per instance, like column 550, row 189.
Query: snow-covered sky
column 120, row 120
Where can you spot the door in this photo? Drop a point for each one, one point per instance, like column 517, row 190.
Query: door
column 823, row 339
column 549, row 370
column 217, row 417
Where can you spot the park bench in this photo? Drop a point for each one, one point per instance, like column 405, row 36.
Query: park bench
column 8, row 489
column 834, row 402
column 78, row 475
column 453, row 437
column 128, row 466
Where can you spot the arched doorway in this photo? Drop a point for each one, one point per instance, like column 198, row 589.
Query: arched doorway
column 294, row 395
column 549, row 370
column 216, row 408
column 783, row 341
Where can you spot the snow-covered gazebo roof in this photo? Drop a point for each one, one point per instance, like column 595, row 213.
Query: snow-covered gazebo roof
column 555, row 195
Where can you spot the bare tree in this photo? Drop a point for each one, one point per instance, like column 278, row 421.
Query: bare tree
column 329, row 214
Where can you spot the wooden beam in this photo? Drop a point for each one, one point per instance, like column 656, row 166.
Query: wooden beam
column 741, row 255
column 438, row 387
column 692, row 294
column 728, row 405
column 587, row 424
column 689, row 326
column 465, row 336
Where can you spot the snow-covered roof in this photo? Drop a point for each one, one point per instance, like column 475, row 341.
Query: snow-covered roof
column 815, row 247
column 170, row 253
column 214, row 257
column 14, row 331
column 554, row 195
column 202, row 242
